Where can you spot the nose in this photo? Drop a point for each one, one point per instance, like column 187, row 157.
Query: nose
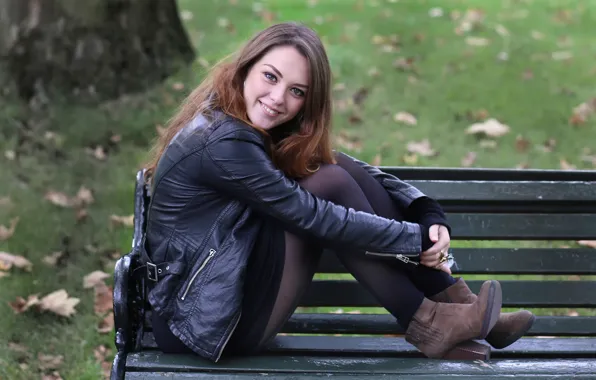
column 277, row 95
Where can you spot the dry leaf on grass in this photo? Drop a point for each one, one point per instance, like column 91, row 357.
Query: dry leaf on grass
column 94, row 278
column 57, row 198
column 422, row 148
column 566, row 165
column 47, row 362
column 469, row 159
column 127, row 221
column 4, row 274
column 521, row 144
column 7, row 232
column 53, row 258
column 20, row 305
column 5, row 201
column 587, row 243
column 490, row 127
column 106, row 325
column 17, row 347
column 59, row 303
column 103, row 299
column 405, row 118
column 7, row 261
column 83, row 197
column 477, row 41
column 52, row 376
column 582, row 112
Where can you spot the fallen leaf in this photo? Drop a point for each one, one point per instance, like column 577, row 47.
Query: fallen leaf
column 5, row 201
column 82, row 214
column 7, row 232
column 4, row 274
column 537, row 35
column 566, row 165
column 572, row 313
column 84, row 197
column 17, row 347
column 94, row 278
column 59, row 303
column 469, row 159
column 435, row 12
column 7, row 261
column 487, row 144
column 360, row 95
column 10, row 155
column 574, row 277
column 522, row 165
column 106, row 325
column 410, row 159
column 549, row 145
column 582, row 112
column 47, row 362
column 348, row 142
column 587, row 243
column 501, row 30
column 103, row 299
column 521, row 144
column 405, row 118
column 561, row 55
column 21, row 305
column 478, row 115
column 178, row 86
column 59, row 199
column 404, row 64
column 490, row 127
column 127, row 221
column 100, row 153
column 52, row 376
column 477, row 41
column 53, row 258
column 376, row 161
column 422, row 148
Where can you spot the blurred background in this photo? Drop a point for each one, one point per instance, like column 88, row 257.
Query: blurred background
column 86, row 87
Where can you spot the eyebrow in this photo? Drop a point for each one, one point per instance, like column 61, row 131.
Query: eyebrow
column 281, row 76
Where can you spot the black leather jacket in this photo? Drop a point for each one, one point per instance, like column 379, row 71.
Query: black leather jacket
column 210, row 190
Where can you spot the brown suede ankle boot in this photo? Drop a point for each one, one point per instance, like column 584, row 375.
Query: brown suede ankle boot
column 437, row 328
column 510, row 326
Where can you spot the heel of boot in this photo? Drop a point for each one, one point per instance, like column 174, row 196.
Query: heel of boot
column 468, row 350
column 493, row 311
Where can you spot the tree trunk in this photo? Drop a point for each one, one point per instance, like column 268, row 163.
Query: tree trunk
column 96, row 49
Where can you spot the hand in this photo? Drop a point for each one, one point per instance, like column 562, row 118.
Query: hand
column 439, row 235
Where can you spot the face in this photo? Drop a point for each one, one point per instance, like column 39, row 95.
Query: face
column 276, row 87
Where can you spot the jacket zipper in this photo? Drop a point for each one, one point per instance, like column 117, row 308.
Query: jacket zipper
column 194, row 276
column 228, row 337
column 398, row 256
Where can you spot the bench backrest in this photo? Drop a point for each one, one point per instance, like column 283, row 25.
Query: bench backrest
column 532, row 219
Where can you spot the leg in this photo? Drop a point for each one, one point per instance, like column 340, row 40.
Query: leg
column 429, row 281
column 389, row 284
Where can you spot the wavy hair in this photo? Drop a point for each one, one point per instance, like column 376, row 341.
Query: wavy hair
column 300, row 145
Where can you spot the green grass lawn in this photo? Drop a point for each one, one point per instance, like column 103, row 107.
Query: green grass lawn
column 527, row 64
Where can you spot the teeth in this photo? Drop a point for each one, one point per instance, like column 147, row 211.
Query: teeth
column 269, row 110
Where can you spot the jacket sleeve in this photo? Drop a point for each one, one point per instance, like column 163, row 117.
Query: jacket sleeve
column 236, row 164
column 401, row 192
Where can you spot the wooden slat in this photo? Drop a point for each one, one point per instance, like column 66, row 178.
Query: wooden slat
column 523, row 226
column 397, row 346
column 489, row 174
column 507, row 191
column 302, row 367
column 580, row 261
column 304, row 323
column 534, row 347
column 338, row 293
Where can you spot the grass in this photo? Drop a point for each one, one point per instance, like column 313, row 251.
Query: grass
column 446, row 84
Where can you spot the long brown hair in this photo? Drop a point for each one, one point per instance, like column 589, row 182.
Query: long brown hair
column 307, row 142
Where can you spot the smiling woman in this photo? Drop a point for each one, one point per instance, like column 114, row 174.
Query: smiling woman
column 246, row 194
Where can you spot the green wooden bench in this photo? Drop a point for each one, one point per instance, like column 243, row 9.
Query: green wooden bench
column 481, row 204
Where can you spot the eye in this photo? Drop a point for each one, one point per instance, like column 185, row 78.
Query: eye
column 270, row 76
column 297, row 92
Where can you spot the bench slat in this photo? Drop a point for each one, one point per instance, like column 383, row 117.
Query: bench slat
column 504, row 261
column 338, row 293
column 488, row 174
column 298, row 366
column 380, row 346
column 522, row 226
column 505, row 191
column 302, row 323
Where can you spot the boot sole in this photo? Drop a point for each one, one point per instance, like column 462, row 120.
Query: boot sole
column 468, row 350
column 493, row 310
column 513, row 338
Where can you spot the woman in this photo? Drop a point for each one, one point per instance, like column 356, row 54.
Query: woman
column 246, row 193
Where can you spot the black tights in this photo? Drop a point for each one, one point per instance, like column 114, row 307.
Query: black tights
column 398, row 287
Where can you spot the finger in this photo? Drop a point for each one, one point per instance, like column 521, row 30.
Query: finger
column 444, row 268
column 433, row 233
column 431, row 260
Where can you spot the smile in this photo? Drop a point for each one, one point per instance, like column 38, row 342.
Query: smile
column 268, row 110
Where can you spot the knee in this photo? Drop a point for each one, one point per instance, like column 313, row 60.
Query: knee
column 329, row 181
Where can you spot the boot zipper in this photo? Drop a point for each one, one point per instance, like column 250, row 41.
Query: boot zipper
column 398, row 256
column 194, row 276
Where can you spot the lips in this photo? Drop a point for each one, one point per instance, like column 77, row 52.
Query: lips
column 268, row 110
